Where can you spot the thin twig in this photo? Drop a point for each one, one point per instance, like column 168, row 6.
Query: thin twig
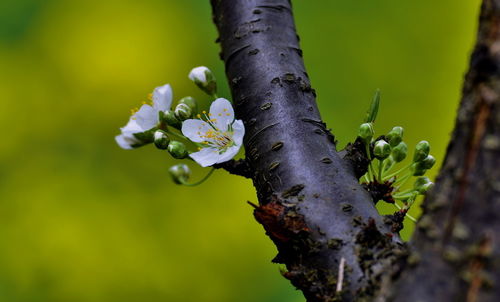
column 341, row 274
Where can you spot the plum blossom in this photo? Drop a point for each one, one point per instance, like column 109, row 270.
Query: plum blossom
column 218, row 134
column 145, row 118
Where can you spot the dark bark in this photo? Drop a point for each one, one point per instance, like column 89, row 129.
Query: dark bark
column 238, row 167
column 311, row 204
column 456, row 241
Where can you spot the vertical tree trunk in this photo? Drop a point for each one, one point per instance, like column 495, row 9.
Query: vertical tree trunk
column 456, row 241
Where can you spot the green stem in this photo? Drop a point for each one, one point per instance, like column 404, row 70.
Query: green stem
column 199, row 182
column 400, row 182
column 397, row 172
column 175, row 134
column 388, row 168
column 381, row 165
column 411, row 217
column 401, row 196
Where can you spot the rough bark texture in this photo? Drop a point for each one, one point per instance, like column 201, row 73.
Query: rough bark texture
column 456, row 249
column 311, row 204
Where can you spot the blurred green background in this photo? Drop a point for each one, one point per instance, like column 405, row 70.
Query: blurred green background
column 82, row 220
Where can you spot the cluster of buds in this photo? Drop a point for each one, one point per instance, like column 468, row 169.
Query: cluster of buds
column 217, row 135
column 384, row 153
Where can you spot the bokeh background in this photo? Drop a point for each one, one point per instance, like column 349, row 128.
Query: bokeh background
column 82, row 220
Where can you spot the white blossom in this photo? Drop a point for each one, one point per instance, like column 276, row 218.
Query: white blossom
column 145, row 118
column 218, row 134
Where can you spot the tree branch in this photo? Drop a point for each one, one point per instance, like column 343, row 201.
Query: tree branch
column 311, row 204
column 238, row 167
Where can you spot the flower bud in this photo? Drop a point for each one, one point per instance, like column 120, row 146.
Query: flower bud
column 161, row 139
column 183, row 112
column 168, row 117
column 421, row 151
column 382, row 149
column 395, row 136
column 399, row 152
column 422, row 185
column 418, row 169
column 177, row 150
column 191, row 102
column 429, row 162
column 366, row 132
column 204, row 79
column 180, row 173
column 145, row 137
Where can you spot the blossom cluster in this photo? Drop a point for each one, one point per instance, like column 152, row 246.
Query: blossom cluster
column 216, row 135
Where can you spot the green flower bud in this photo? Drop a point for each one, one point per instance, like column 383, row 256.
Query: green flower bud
column 161, row 139
column 429, row 162
column 366, row 132
column 180, row 173
column 382, row 149
column 423, row 184
column 182, row 112
column 395, row 136
column 145, row 137
column 168, row 117
column 422, row 149
column 177, row 150
column 204, row 79
column 399, row 152
column 191, row 102
column 418, row 169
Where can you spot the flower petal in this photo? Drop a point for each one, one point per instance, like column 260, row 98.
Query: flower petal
column 131, row 127
column 221, row 111
column 162, row 98
column 238, row 132
column 206, row 157
column 230, row 153
column 125, row 142
column 146, row 117
column 195, row 130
